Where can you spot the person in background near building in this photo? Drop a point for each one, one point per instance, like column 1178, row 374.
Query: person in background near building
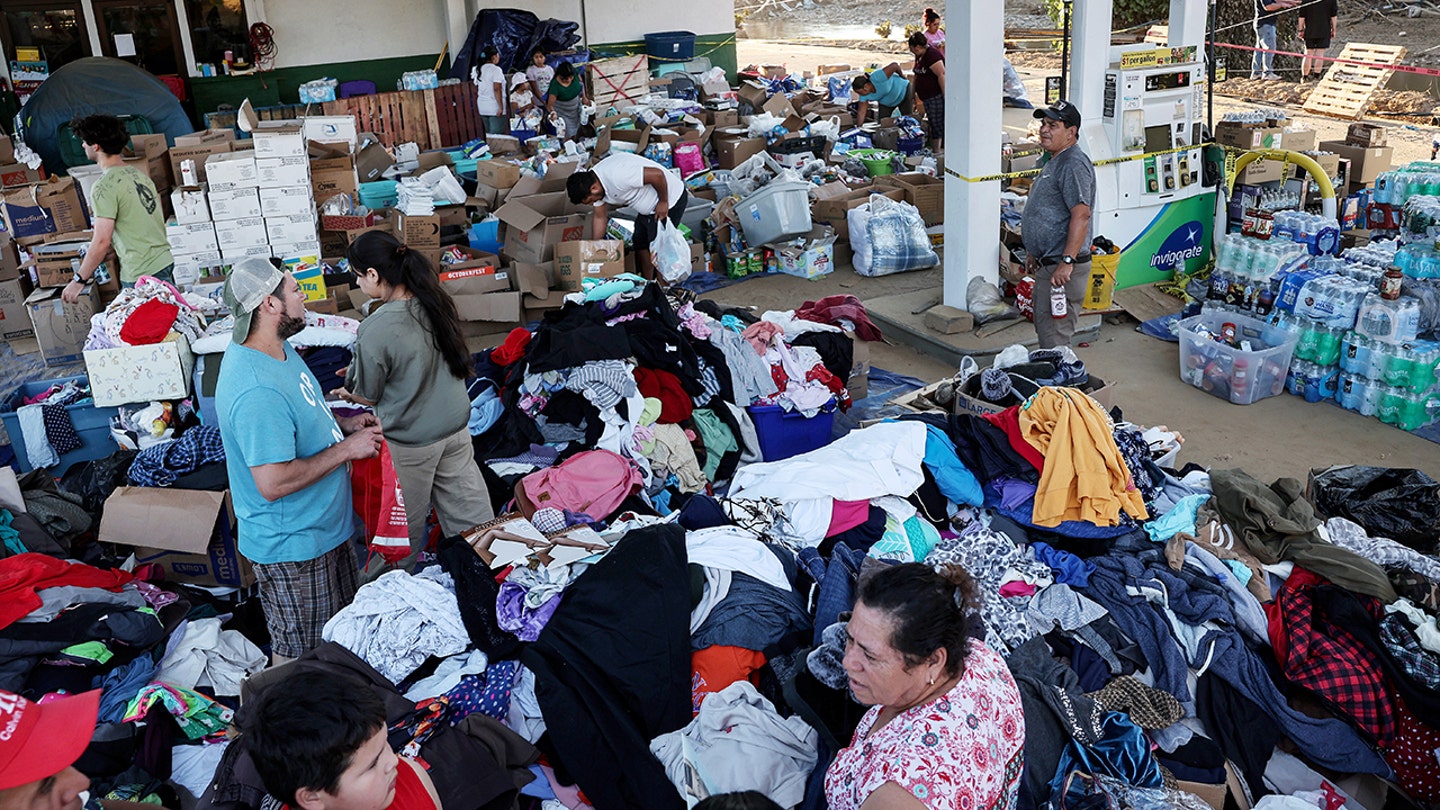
column 539, row 74
column 1317, row 26
column 1267, row 15
column 626, row 179
column 567, row 96
column 1056, row 227
column 930, row 85
column 887, row 89
column 1013, row 89
column 934, row 34
column 127, row 211
column 410, row 364
column 288, row 461
column 318, row 743
column 490, row 93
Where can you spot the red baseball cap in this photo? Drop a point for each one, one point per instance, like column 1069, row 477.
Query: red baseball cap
column 39, row 741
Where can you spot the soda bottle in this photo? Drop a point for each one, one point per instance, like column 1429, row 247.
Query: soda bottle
column 1059, row 307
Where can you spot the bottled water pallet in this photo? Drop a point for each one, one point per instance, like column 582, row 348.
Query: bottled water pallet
column 1347, row 88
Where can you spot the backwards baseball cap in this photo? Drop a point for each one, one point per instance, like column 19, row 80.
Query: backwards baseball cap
column 249, row 282
column 40, row 741
column 1062, row 111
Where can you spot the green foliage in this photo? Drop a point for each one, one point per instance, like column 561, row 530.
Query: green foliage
column 1126, row 12
column 884, row 29
column 912, row 28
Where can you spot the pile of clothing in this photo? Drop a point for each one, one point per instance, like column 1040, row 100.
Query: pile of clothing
column 45, row 424
column 147, row 313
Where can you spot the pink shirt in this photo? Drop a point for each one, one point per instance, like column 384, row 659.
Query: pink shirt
column 963, row 749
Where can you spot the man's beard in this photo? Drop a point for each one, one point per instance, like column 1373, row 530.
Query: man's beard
column 290, row 326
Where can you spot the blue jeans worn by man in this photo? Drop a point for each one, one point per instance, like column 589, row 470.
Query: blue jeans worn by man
column 1262, row 66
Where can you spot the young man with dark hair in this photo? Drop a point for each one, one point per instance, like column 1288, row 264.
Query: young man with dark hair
column 126, row 209
column 625, row 179
column 318, row 742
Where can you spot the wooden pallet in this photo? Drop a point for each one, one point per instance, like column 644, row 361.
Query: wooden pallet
column 396, row 117
column 1157, row 35
column 454, row 118
column 619, row 82
column 1347, row 89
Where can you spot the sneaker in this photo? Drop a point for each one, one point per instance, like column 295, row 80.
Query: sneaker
column 1272, row 77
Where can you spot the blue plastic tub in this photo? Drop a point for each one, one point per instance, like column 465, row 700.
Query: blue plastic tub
column 91, row 423
column 379, row 194
column 671, row 46
column 486, row 236
column 783, row 434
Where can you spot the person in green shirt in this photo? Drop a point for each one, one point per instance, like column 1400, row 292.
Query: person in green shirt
column 567, row 96
column 125, row 208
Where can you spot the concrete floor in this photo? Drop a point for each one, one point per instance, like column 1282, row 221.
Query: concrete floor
column 1281, row 436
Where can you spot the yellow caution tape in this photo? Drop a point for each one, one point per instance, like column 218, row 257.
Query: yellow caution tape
column 1105, row 162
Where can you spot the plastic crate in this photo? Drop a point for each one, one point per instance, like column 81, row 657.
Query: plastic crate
column 671, row 46
column 776, row 212
column 379, row 194
column 91, row 423
column 783, row 434
column 1231, row 372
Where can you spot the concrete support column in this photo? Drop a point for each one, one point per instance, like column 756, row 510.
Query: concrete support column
column 973, row 57
column 1090, row 55
column 1188, row 21
column 457, row 24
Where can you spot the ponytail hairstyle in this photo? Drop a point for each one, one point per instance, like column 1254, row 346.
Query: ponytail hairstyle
column 932, row 607
column 400, row 266
column 931, row 16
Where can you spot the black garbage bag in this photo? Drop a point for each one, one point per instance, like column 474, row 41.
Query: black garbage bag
column 509, row 30
column 1403, row 505
column 94, row 481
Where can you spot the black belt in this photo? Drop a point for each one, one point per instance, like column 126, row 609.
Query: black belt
column 1053, row 262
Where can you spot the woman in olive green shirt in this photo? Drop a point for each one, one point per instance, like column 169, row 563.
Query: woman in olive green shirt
column 567, row 96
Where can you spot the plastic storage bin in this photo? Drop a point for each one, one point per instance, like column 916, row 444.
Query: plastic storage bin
column 1231, row 372
column 783, row 434
column 379, row 194
column 672, row 46
column 91, row 423
column 776, row 212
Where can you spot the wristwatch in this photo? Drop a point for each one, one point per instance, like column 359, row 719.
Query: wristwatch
column 1067, row 259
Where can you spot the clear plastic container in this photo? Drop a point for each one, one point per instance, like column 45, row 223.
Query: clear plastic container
column 776, row 212
column 1235, row 373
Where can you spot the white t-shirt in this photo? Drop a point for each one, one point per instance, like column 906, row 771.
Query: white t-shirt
column 541, row 76
column 491, row 77
column 622, row 175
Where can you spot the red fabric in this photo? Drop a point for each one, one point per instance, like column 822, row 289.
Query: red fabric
column 675, row 405
column 24, row 574
column 714, row 668
column 833, row 308
column 149, row 323
column 1008, row 420
column 410, row 793
column 507, row 353
column 846, row 515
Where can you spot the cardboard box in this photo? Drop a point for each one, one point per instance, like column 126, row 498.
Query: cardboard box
column 14, row 320
column 1248, row 136
column 497, row 173
column 190, row 206
column 191, row 534
column 18, row 174
column 232, row 254
column 331, row 128
column 331, row 176
column 535, row 224
column 195, row 238
column 731, row 152
column 7, row 149
column 207, row 137
column 963, row 403
column 1261, row 171
column 61, row 328
column 1301, row 140
column 308, row 250
column 50, row 207
column 582, row 259
column 475, row 260
column 1367, row 135
column 234, row 202
column 483, row 292
column 155, row 166
column 191, row 267
column 53, row 264
column 238, row 233
column 372, row 159
column 422, row 233
column 753, row 93
column 9, row 257
column 277, row 139
column 283, row 171
column 834, row 212
column 922, row 191
column 287, row 201
column 129, row 374
column 292, row 228
column 1366, row 162
column 232, row 168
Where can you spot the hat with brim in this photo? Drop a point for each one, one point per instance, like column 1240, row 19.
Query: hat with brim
column 38, row 741
column 1062, row 111
column 250, row 281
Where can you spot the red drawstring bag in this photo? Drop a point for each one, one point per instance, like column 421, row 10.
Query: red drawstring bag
column 375, row 493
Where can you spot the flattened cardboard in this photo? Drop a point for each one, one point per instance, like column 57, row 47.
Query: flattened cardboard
column 189, row 533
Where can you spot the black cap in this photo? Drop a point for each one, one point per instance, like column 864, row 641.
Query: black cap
column 1062, row 111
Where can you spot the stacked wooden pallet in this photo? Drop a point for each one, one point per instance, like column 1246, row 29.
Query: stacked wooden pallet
column 619, row 82
column 1347, row 89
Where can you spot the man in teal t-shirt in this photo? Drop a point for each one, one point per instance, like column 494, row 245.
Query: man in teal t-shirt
column 288, row 460
column 886, row 88
column 126, row 207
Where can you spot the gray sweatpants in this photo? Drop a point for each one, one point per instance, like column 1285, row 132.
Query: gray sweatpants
column 1058, row 331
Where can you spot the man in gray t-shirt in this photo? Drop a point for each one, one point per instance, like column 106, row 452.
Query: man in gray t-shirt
column 1056, row 227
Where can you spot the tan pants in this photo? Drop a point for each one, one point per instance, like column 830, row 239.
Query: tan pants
column 1054, row 331
column 444, row 474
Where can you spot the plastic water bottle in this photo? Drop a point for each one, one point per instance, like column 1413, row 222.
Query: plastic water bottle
column 1384, row 187
column 1355, row 354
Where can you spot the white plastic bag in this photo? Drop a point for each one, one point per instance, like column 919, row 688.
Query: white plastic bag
column 889, row 237
column 671, row 253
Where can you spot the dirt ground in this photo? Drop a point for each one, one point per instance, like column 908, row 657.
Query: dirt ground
column 1281, row 436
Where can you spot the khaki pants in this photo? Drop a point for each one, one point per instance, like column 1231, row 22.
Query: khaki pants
column 1058, row 331
column 444, row 474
